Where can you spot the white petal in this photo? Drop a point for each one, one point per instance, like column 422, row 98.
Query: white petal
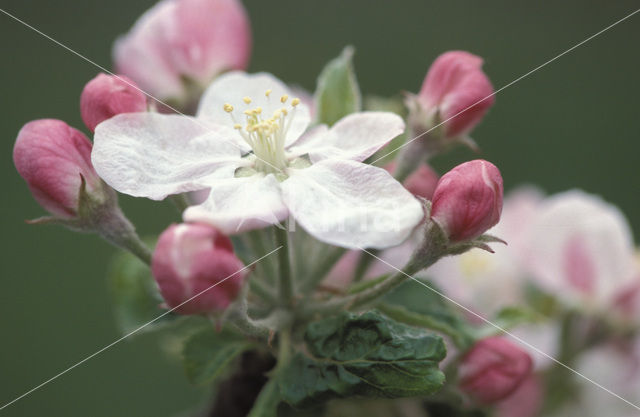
column 239, row 204
column 351, row 204
column 234, row 86
column 154, row 155
column 356, row 137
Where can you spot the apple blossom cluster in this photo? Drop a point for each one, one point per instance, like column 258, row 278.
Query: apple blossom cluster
column 301, row 240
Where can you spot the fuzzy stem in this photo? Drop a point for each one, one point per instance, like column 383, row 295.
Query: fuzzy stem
column 322, row 269
column 285, row 283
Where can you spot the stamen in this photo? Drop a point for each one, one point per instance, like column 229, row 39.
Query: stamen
column 267, row 93
column 228, row 107
column 237, row 126
column 247, row 100
column 283, row 99
column 295, row 102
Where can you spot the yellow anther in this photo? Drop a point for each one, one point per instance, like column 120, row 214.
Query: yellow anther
column 258, row 110
column 247, row 100
column 283, row 99
column 277, row 113
column 228, row 107
column 267, row 93
column 295, row 102
column 284, row 111
column 249, row 112
column 237, row 126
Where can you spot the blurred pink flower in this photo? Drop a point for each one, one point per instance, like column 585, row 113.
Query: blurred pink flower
column 177, row 42
column 580, row 249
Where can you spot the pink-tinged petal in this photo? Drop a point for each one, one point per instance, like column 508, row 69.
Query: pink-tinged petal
column 493, row 369
column 141, row 54
column 355, row 137
column 153, row 155
column 51, row 156
column 456, row 86
column 234, row 86
column 184, row 39
column 236, row 205
column 208, row 37
column 196, row 269
column 580, row 248
column 468, row 200
column 106, row 96
column 350, row 204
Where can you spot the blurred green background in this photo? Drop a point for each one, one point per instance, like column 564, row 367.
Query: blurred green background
column 573, row 123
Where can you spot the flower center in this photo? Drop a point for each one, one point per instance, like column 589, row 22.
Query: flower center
column 266, row 135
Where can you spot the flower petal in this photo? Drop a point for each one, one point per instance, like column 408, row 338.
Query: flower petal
column 356, row 137
column 239, row 204
column 154, row 155
column 351, row 204
column 234, row 86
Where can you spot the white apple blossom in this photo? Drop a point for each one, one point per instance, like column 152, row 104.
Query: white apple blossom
column 248, row 145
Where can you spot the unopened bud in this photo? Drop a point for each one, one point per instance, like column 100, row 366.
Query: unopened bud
column 455, row 91
column 468, row 200
column 106, row 96
column 53, row 158
column 196, row 269
column 493, row 369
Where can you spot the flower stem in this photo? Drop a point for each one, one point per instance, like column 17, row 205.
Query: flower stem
column 322, row 269
column 285, row 282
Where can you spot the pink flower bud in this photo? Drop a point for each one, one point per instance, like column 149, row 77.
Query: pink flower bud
column 455, row 82
column 493, row 369
column 191, row 258
column 525, row 401
column 178, row 40
column 51, row 156
column 106, row 96
column 468, row 200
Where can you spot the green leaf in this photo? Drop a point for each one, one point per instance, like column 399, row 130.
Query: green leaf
column 366, row 355
column 266, row 405
column 136, row 299
column 337, row 93
column 414, row 304
column 207, row 354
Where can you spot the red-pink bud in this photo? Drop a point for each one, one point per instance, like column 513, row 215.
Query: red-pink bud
column 455, row 82
column 106, row 96
column 468, row 200
column 51, row 156
column 180, row 40
column 191, row 258
column 493, row 369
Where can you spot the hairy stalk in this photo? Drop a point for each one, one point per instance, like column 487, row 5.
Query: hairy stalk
column 285, row 283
